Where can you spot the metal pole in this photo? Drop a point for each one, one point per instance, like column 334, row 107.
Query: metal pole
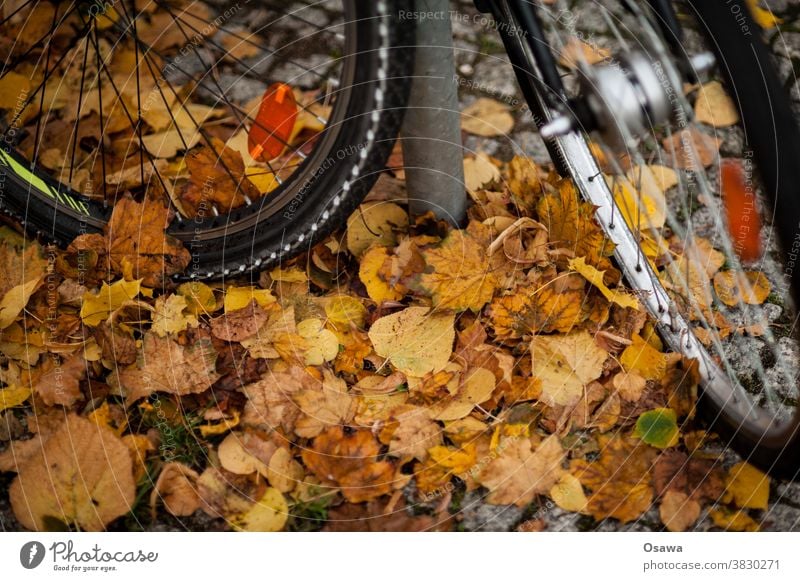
column 431, row 135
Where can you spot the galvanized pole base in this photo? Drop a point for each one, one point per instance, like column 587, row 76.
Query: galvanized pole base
column 431, row 135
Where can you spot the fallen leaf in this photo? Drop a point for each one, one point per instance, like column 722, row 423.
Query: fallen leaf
column 733, row 520
column 640, row 358
column 169, row 316
column 714, row 107
column 460, row 277
column 331, row 405
column 234, row 458
column 240, row 324
column 595, row 277
column 748, row 486
column 59, row 384
column 269, row 514
column 80, row 476
column 629, row 386
column 487, row 118
column 374, row 223
column 284, row 472
column 414, row 434
column 556, row 305
column 415, row 340
column 568, row 493
column 369, row 272
column 578, row 53
column 619, row 479
column 96, row 307
column 239, row 297
column 565, row 364
column 521, row 470
column 176, row 487
column 678, row 512
column 734, row 287
column 763, row 16
column 690, row 148
column 166, row 366
column 15, row 300
column 323, row 345
column 13, row 396
column 479, row 171
column 349, row 460
column 658, row 428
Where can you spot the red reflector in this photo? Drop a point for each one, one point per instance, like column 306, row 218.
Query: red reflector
column 273, row 125
column 744, row 222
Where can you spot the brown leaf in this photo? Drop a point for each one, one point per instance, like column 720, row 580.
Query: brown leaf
column 135, row 243
column 240, row 324
column 82, row 475
column 217, row 179
column 177, row 488
column 270, row 404
column 678, row 512
column 60, row 383
column 699, row 478
column 522, row 470
column 415, row 432
column 166, row 366
column 619, row 479
column 377, row 516
column 349, row 459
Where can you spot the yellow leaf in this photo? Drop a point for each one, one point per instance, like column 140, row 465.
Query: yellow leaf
column 169, row 316
column 268, row 515
column 479, row 171
column 15, row 300
column 577, row 52
column 714, row 107
column 97, row 307
column 658, row 428
column 763, row 17
column 238, row 297
column 487, row 118
column 729, row 520
column 221, row 427
column 292, row 274
column 642, row 209
column 565, row 364
column 641, row 358
column 415, row 340
column 748, row 486
column 568, row 493
column 344, row 310
column 595, row 277
column 323, row 344
column 234, row 458
column 199, row 297
column 262, row 179
column 374, row 223
column 13, row 395
column 369, row 272
column 749, row 287
column 14, row 88
column 462, row 278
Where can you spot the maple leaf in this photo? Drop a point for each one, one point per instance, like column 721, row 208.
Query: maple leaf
column 413, row 432
column 620, row 479
column 80, row 475
column 349, row 460
column 460, row 277
column 565, row 364
column 571, row 225
column 270, row 404
column 169, row 316
column 556, row 305
column 217, row 179
column 135, row 244
column 521, row 470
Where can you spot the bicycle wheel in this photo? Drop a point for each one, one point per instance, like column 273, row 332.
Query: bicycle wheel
column 162, row 99
column 657, row 176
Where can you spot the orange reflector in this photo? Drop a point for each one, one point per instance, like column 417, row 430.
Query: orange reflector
column 744, row 223
column 273, row 125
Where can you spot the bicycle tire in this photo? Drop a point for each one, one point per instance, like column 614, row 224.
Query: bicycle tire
column 310, row 205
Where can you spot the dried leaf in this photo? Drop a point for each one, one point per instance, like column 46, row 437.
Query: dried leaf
column 678, row 512
column 748, row 486
column 487, row 118
column 269, row 514
column 714, row 107
column 595, row 277
column 170, row 317
column 639, row 357
column 565, row 364
column 96, row 307
column 749, row 287
column 460, row 277
column 177, row 488
column 374, row 223
column 82, row 475
column 415, row 340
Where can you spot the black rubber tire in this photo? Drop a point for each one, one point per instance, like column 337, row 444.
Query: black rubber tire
column 311, row 204
column 771, row 131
